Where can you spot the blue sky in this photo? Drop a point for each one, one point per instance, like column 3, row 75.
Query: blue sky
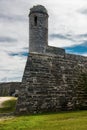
column 67, row 29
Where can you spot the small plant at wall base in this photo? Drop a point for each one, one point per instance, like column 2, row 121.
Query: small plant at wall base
column 82, row 91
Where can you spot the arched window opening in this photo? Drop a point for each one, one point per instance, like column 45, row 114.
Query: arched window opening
column 35, row 20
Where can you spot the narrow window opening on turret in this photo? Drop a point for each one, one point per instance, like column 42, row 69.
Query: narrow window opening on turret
column 35, row 20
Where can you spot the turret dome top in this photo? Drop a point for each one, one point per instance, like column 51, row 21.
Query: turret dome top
column 38, row 9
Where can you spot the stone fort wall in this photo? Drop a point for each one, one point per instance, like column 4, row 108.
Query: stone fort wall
column 9, row 89
column 51, row 83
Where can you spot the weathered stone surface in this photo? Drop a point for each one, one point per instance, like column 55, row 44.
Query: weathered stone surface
column 9, row 89
column 49, row 83
column 38, row 29
column 54, row 51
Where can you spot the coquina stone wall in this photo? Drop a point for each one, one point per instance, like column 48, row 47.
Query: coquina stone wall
column 50, row 83
column 9, row 89
column 38, row 29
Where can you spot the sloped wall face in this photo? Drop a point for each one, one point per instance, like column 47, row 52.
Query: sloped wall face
column 50, row 83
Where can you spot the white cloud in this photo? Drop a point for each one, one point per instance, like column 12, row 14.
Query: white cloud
column 84, row 54
column 11, row 68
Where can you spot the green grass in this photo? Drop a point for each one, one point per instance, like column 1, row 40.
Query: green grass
column 8, row 106
column 57, row 121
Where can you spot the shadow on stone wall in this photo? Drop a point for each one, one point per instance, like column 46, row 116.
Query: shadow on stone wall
column 10, row 89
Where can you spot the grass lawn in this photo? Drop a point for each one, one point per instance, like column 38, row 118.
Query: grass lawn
column 8, row 106
column 57, row 121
